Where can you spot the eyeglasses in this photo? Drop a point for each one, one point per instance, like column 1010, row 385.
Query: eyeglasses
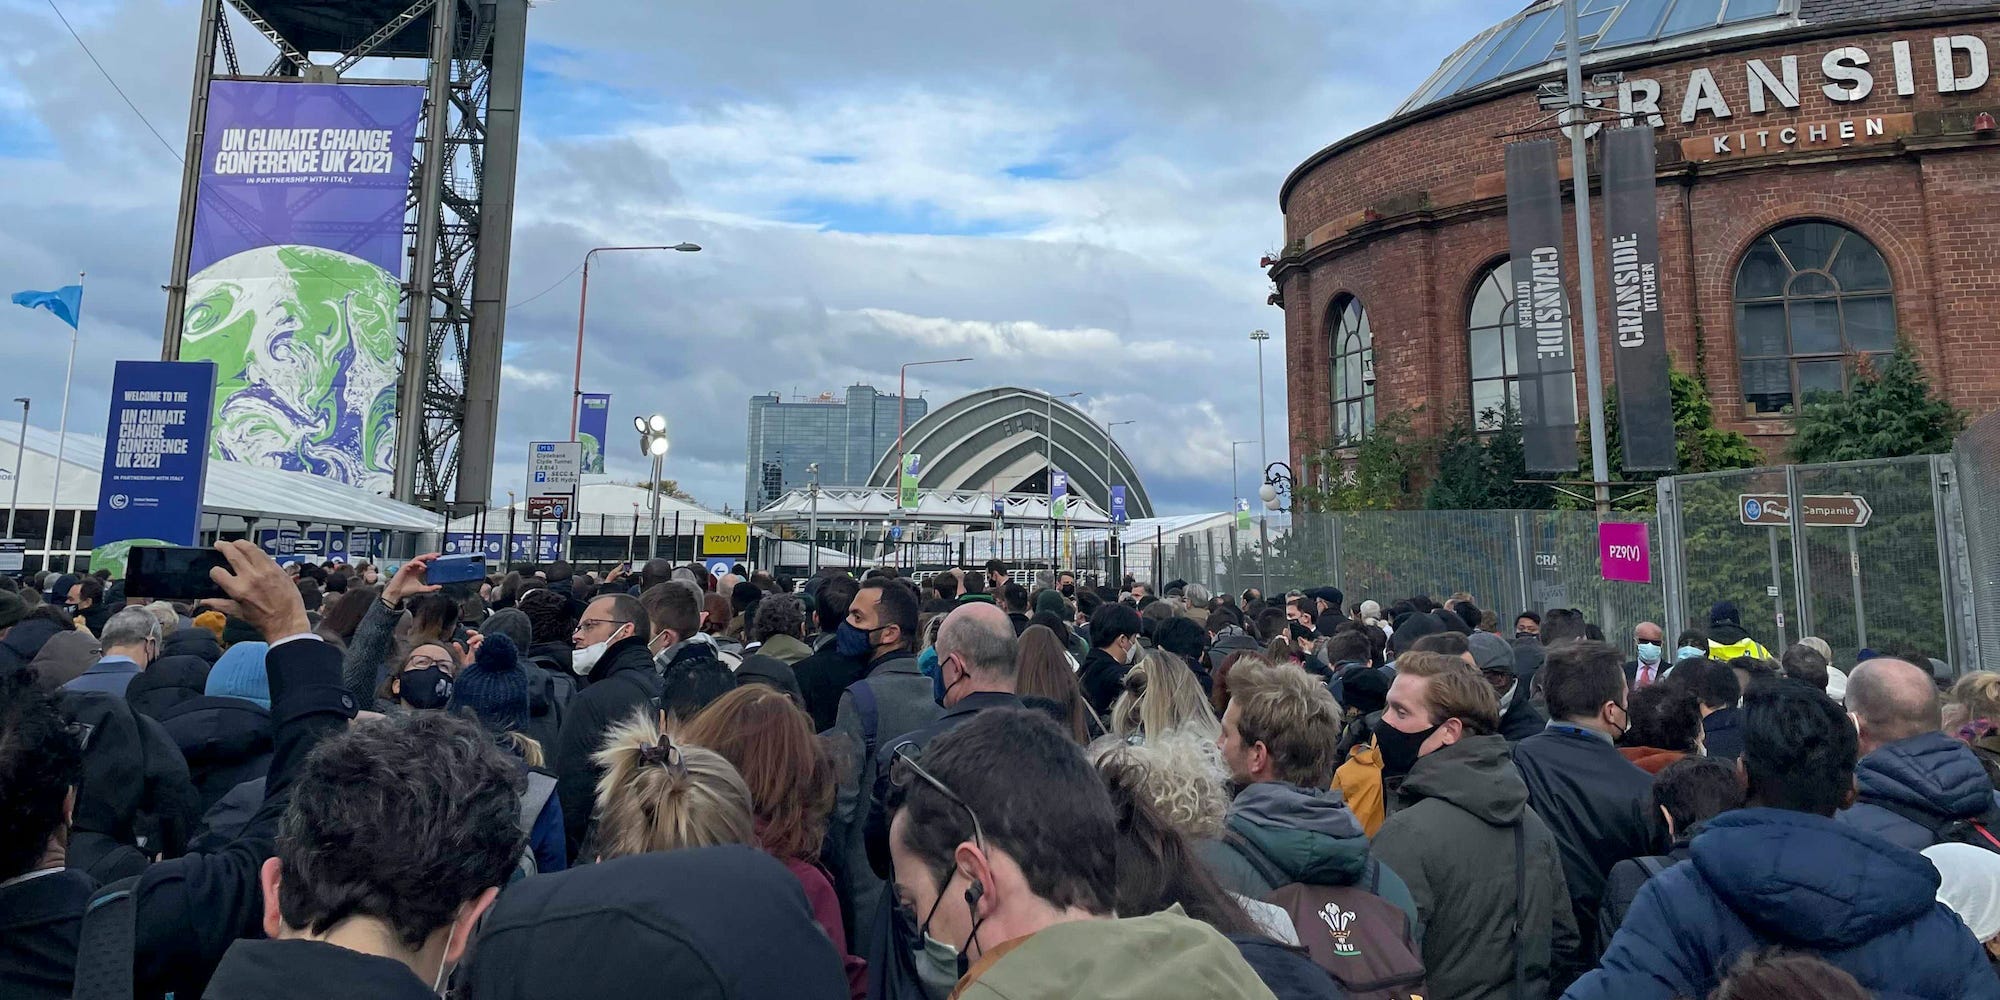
column 589, row 623
column 426, row 662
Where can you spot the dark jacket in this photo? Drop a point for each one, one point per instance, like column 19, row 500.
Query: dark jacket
column 97, row 614
column 226, row 741
column 1597, row 804
column 1529, row 655
column 25, row 640
column 758, row 668
column 168, row 681
column 1452, row 839
column 1912, row 787
column 1722, row 733
column 914, row 742
column 1021, row 621
column 1520, row 718
column 622, row 682
column 192, row 641
column 1762, row 878
column 311, row 970
column 1232, row 641
column 1308, row 835
column 1102, row 677
column 189, row 910
column 822, row 677
column 365, row 665
column 38, row 928
column 1627, row 877
column 903, row 703
column 711, row 922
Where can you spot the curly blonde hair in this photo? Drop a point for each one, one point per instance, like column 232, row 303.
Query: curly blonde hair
column 1161, row 694
column 1179, row 773
column 659, row 795
column 1979, row 695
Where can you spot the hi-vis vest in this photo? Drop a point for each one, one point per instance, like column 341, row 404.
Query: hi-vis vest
column 1747, row 647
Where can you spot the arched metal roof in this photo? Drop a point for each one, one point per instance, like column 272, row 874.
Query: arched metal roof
column 998, row 439
column 1529, row 41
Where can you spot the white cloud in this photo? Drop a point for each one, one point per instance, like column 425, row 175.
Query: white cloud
column 528, row 378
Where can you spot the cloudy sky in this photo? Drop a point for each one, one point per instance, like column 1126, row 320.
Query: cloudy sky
column 1075, row 194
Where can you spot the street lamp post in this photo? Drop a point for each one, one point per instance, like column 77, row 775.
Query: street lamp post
column 1049, row 455
column 1235, row 495
column 583, row 303
column 1263, row 457
column 653, row 440
column 812, row 521
column 20, row 457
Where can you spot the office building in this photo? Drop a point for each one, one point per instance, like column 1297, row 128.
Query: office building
column 846, row 435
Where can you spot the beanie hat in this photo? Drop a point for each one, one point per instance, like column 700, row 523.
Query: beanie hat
column 494, row 687
column 212, row 621
column 512, row 623
column 1051, row 601
column 237, row 630
column 1364, row 689
column 12, row 609
column 1724, row 611
column 240, row 673
column 1414, row 627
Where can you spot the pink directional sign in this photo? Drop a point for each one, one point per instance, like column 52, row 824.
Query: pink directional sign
column 1623, row 551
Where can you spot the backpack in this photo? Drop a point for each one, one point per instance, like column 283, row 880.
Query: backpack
column 1359, row 938
column 136, row 789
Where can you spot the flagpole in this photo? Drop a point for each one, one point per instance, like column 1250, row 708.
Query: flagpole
column 62, row 438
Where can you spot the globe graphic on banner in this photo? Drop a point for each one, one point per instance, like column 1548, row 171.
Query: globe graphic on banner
column 304, row 343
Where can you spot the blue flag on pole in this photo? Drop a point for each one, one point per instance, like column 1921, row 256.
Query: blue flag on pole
column 66, row 302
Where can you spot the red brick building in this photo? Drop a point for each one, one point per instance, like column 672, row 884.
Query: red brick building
column 1829, row 183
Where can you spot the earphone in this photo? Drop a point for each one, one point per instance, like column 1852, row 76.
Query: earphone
column 973, row 895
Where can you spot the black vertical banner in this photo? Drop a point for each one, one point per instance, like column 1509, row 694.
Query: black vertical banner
column 1639, row 327
column 1541, row 305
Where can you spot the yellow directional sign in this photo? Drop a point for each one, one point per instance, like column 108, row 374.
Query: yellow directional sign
column 719, row 539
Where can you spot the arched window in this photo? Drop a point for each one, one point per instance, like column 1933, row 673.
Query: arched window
column 1353, row 370
column 1495, row 361
column 1811, row 297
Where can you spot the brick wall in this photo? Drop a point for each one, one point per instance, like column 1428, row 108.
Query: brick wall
column 1410, row 219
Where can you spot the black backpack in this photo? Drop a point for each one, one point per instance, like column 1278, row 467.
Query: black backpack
column 1982, row 832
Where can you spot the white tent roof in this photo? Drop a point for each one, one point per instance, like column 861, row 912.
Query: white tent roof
column 613, row 500
column 232, row 487
column 970, row 507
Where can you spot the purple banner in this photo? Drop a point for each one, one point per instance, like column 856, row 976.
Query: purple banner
column 296, row 270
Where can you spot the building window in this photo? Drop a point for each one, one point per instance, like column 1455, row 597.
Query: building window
column 1495, row 361
column 1353, row 370
column 1811, row 298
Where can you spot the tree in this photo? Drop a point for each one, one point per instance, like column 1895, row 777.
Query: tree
column 1481, row 470
column 1699, row 446
column 1886, row 413
column 1380, row 476
column 669, row 488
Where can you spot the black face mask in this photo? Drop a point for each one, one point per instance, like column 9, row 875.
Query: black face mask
column 1069, row 590
column 1398, row 748
column 429, row 687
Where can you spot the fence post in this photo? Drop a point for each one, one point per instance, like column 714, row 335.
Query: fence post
column 1801, row 567
column 1521, row 562
column 1962, row 647
column 1669, row 520
column 1334, row 525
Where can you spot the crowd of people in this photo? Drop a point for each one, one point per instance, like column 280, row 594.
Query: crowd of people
column 340, row 783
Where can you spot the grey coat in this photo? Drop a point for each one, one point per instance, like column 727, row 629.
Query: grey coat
column 903, row 704
column 1452, row 841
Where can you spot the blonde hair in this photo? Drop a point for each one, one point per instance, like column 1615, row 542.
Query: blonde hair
column 1180, row 774
column 1162, row 695
column 528, row 748
column 1979, row 694
column 659, row 795
column 165, row 614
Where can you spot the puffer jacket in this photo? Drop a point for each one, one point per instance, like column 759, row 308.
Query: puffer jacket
column 1912, row 787
column 167, row 682
column 1452, row 839
column 226, row 741
column 1763, row 878
column 1309, row 835
column 24, row 641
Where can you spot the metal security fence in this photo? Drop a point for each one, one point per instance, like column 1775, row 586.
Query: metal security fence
column 1508, row 560
column 1865, row 555
column 1976, row 465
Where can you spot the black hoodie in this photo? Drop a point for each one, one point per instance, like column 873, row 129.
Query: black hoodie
column 712, row 922
column 227, row 741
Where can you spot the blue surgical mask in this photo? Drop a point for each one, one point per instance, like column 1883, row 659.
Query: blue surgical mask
column 1649, row 652
column 850, row 641
column 1688, row 653
column 927, row 664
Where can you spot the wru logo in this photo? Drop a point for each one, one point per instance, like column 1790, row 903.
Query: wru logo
column 1338, row 921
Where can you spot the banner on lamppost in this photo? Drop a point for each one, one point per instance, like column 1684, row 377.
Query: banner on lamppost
column 296, row 271
column 1058, row 495
column 1242, row 514
column 1639, row 341
column 593, row 417
column 155, row 459
column 1118, row 505
column 912, row 465
column 1541, row 304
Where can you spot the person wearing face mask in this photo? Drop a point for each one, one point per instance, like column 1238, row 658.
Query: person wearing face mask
column 616, row 667
column 1114, row 647
column 422, row 681
column 131, row 640
column 386, row 869
column 1595, row 801
column 1649, row 665
column 893, row 697
column 1479, row 861
column 1284, row 827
